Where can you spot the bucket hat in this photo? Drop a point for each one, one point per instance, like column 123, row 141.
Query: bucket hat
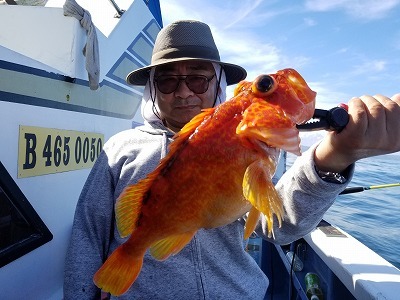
column 181, row 41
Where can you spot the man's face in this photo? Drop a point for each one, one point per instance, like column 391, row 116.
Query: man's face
column 180, row 106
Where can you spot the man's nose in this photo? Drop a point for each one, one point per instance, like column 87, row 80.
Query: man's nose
column 183, row 90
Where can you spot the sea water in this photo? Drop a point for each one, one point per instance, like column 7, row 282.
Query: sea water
column 371, row 216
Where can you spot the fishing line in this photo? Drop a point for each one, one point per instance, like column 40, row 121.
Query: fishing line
column 358, row 189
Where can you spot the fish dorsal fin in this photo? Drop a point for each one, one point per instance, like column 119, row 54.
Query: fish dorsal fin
column 171, row 245
column 259, row 190
column 129, row 204
column 190, row 128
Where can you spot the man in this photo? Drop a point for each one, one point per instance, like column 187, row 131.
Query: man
column 186, row 75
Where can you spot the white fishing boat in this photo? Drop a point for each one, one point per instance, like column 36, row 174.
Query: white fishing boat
column 54, row 123
column 55, row 115
column 347, row 269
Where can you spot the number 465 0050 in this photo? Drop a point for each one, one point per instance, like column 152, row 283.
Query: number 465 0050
column 47, row 150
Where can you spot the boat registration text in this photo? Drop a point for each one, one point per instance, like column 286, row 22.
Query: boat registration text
column 46, row 150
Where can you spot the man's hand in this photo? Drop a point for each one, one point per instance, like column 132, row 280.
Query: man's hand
column 373, row 129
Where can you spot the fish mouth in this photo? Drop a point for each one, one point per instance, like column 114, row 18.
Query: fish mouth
column 307, row 113
column 272, row 152
column 287, row 139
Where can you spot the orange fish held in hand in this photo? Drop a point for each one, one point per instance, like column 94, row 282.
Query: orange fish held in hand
column 219, row 167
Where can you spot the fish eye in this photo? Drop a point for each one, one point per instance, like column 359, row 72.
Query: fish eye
column 264, row 83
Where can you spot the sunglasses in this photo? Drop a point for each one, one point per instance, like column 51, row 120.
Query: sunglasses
column 168, row 84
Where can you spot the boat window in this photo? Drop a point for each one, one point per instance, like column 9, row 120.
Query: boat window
column 21, row 229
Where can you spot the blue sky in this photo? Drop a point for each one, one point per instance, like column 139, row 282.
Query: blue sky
column 343, row 48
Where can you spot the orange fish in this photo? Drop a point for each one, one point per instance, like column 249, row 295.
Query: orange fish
column 219, row 167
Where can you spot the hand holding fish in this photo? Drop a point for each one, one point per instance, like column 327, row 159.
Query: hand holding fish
column 373, row 129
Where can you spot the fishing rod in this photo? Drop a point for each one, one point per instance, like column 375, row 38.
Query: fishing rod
column 357, row 189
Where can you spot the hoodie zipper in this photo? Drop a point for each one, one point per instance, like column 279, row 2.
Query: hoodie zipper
column 198, row 265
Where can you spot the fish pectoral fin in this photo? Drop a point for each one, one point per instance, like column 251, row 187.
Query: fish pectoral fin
column 259, row 190
column 171, row 245
column 119, row 271
column 251, row 222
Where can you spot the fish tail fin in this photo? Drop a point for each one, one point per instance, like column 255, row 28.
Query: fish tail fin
column 259, row 190
column 118, row 272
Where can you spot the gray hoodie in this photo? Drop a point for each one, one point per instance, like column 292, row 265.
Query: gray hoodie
column 214, row 265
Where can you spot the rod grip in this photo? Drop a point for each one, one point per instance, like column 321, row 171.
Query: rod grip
column 351, row 190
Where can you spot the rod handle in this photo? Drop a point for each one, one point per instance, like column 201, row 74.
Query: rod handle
column 351, row 190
